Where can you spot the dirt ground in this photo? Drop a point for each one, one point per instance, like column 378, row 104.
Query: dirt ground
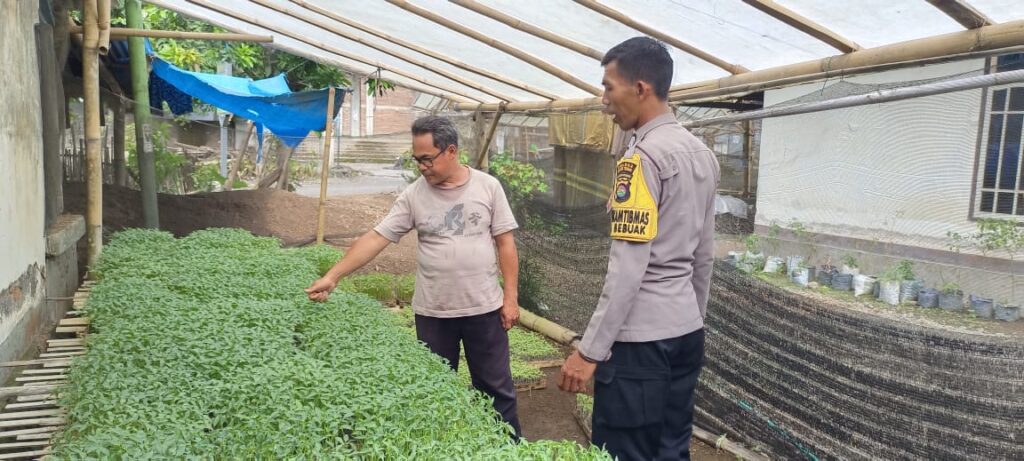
column 544, row 414
column 548, row 414
column 267, row 212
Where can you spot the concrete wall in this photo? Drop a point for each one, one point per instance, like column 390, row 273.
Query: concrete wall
column 22, row 243
column 899, row 172
column 883, row 182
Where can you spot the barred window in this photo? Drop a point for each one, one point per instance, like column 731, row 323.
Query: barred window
column 1001, row 179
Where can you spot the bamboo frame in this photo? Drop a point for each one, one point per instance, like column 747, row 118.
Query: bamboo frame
column 123, row 32
column 963, row 13
column 103, row 22
column 902, row 54
column 325, row 168
column 481, row 159
column 675, row 42
column 372, row 44
column 529, row 28
column 334, row 50
column 518, row 53
column 424, row 51
column 796, row 21
column 93, row 153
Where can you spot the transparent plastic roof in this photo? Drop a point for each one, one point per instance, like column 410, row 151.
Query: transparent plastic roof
column 730, row 30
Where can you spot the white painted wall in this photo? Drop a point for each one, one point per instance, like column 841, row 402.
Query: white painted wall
column 22, row 240
column 899, row 172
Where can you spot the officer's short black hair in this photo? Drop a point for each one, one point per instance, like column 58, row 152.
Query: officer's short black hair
column 643, row 58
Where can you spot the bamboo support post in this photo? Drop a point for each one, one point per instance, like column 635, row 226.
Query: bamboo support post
column 236, row 166
column 325, row 168
column 140, row 89
column 93, row 160
column 481, row 159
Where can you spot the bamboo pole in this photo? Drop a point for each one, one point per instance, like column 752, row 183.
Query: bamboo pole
column 518, row 53
column 425, row 51
column 799, row 22
column 529, row 28
column 120, row 172
column 140, row 89
column 721, row 443
column 26, row 363
column 323, row 46
column 325, row 168
column 15, row 391
column 963, row 13
column 376, row 45
column 970, row 43
column 1007, row 34
column 674, row 42
column 103, row 21
column 236, row 166
column 123, row 32
column 748, row 149
column 877, row 97
column 332, row 60
column 546, row 327
column 93, row 160
column 481, row 159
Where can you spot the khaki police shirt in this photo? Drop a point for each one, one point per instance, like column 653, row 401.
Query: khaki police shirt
column 659, row 289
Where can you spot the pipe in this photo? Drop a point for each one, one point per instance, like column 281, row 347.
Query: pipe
column 547, row 328
column 123, row 32
column 880, row 96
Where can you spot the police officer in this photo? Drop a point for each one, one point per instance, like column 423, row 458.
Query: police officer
column 644, row 345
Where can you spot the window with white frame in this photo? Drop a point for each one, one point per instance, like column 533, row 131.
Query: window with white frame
column 1001, row 169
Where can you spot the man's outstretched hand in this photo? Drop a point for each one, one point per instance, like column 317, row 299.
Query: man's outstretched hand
column 321, row 289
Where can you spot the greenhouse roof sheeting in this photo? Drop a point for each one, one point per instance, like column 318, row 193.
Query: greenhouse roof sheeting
column 425, row 54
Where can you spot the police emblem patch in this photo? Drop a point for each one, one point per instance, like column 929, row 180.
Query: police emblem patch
column 623, row 180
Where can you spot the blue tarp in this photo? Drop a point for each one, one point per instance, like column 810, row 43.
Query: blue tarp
column 268, row 102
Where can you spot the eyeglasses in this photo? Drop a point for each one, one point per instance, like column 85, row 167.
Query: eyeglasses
column 426, row 161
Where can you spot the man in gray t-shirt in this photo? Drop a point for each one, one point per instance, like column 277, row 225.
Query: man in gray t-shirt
column 460, row 215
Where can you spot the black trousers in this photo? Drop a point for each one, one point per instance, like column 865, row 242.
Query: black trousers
column 643, row 398
column 487, row 354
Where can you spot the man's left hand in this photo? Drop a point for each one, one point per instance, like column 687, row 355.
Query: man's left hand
column 509, row 314
column 575, row 374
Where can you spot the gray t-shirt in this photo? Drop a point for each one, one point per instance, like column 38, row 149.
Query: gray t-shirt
column 456, row 261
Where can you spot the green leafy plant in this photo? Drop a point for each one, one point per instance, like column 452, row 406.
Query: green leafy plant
column 901, row 271
column 752, row 243
column 527, row 345
column 521, row 180
column 378, row 286
column 849, row 260
column 168, row 164
column 206, row 347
